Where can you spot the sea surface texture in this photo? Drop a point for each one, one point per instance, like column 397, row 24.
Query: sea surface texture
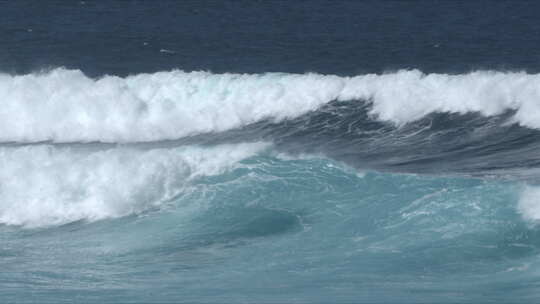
column 269, row 152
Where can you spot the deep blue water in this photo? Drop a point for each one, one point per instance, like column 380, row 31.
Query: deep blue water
column 269, row 152
column 330, row 37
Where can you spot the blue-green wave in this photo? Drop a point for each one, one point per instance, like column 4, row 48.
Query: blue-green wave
column 290, row 229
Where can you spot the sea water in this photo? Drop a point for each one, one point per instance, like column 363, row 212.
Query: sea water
column 269, row 152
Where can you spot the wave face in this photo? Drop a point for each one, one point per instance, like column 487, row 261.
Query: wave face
column 238, row 219
column 66, row 106
column 209, row 187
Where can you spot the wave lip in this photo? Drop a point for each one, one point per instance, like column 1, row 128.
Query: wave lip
column 66, row 106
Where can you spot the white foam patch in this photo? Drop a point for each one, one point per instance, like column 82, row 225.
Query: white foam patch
column 66, row 106
column 529, row 204
column 409, row 95
column 43, row 185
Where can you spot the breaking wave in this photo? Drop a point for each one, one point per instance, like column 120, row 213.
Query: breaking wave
column 44, row 185
column 270, row 174
column 66, row 106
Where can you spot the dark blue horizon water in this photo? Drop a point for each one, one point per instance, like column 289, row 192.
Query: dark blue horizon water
column 329, row 37
column 126, row 178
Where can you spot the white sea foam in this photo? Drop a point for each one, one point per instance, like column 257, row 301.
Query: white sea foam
column 529, row 204
column 43, row 185
column 66, row 106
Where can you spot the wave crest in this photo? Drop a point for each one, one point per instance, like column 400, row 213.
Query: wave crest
column 66, row 106
column 44, row 185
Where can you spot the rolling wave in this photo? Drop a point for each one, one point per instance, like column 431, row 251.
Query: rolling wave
column 66, row 106
column 46, row 185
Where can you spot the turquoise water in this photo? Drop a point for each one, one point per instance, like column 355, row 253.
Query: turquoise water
column 277, row 228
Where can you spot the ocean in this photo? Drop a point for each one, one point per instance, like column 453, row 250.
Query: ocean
column 269, row 152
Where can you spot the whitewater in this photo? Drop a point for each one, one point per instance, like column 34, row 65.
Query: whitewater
column 54, row 170
column 66, row 106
